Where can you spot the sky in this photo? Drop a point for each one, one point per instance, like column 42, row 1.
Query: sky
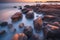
column 25, row 0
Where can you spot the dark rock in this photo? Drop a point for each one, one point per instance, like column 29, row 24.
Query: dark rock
column 38, row 24
column 2, row 32
column 49, row 18
column 13, row 30
column 35, row 37
column 21, row 25
column 14, row 6
column 20, row 7
column 30, row 15
column 52, row 31
column 20, row 36
column 27, row 6
column 4, row 23
column 28, row 31
column 26, row 10
column 16, row 16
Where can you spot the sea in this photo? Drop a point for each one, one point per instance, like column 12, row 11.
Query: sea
column 7, row 10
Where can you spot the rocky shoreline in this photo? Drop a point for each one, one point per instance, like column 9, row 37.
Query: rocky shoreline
column 50, row 23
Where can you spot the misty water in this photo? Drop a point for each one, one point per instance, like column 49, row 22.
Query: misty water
column 7, row 10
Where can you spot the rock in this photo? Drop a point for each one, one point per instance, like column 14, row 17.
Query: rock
column 14, row 6
column 49, row 18
column 30, row 15
column 3, row 23
column 52, row 31
column 20, row 7
column 21, row 25
column 28, row 31
column 35, row 37
column 16, row 16
column 38, row 24
column 20, row 36
column 10, row 25
column 27, row 6
column 25, row 10
column 2, row 32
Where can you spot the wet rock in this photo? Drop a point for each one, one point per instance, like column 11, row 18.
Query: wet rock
column 2, row 32
column 27, row 6
column 49, row 18
column 14, row 6
column 25, row 10
column 38, row 24
column 30, row 15
column 20, row 7
column 3, row 23
column 52, row 31
column 35, row 37
column 10, row 25
column 28, row 31
column 16, row 16
column 20, row 36
column 21, row 25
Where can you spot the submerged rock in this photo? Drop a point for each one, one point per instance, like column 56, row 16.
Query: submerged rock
column 14, row 6
column 10, row 25
column 28, row 31
column 16, row 16
column 3, row 23
column 30, row 15
column 20, row 36
column 13, row 30
column 21, row 25
column 20, row 7
column 38, row 24
column 2, row 32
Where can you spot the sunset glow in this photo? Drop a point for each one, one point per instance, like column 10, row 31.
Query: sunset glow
column 26, row 0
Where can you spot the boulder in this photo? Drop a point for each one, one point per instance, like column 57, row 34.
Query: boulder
column 38, row 24
column 21, row 25
column 30, row 15
column 49, row 18
column 3, row 23
column 16, row 16
column 28, row 31
column 27, row 6
column 35, row 37
column 20, row 36
column 24, row 11
column 52, row 31
column 2, row 32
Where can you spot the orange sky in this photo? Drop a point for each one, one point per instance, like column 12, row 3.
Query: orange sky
column 37, row 0
column 25, row 0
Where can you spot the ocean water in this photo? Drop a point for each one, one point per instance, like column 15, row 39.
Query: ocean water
column 7, row 10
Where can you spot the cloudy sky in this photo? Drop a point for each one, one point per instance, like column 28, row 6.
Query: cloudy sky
column 25, row 0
